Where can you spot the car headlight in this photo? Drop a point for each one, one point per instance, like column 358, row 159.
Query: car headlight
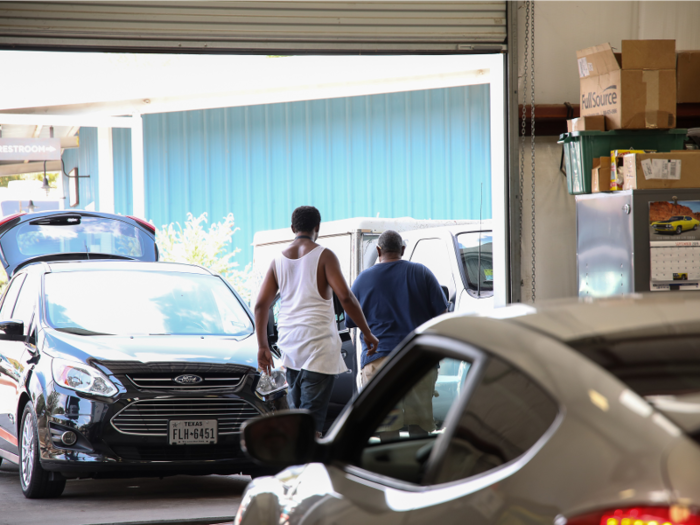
column 272, row 383
column 82, row 378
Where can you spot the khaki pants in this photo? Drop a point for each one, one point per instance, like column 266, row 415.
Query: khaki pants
column 370, row 369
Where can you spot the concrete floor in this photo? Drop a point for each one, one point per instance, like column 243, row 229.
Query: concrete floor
column 178, row 499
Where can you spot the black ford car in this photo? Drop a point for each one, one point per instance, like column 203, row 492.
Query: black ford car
column 115, row 365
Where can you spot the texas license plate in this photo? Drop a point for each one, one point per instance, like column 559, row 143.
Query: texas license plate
column 193, row 431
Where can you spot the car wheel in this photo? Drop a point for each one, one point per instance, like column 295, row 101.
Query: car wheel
column 695, row 227
column 679, row 230
column 36, row 482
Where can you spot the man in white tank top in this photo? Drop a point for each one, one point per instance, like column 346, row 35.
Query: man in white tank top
column 306, row 274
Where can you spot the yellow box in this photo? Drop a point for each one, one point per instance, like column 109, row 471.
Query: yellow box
column 617, row 174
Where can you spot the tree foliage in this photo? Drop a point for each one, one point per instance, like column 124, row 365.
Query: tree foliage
column 209, row 247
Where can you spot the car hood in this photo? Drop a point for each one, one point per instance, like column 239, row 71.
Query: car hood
column 154, row 348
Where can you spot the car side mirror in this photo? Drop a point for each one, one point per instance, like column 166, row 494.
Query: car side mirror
column 13, row 330
column 280, row 440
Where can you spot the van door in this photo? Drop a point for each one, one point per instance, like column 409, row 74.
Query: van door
column 476, row 259
column 436, row 254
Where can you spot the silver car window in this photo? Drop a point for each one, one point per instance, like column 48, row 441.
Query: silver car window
column 400, row 446
column 505, row 416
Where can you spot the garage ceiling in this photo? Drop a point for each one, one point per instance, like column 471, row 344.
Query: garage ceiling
column 255, row 27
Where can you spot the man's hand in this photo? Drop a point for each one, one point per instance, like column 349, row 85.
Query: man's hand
column 265, row 359
column 371, row 342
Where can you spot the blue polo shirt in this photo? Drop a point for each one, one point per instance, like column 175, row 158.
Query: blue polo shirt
column 396, row 298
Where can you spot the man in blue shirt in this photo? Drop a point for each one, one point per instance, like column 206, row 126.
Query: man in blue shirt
column 396, row 297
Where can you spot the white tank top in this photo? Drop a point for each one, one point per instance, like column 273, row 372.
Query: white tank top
column 308, row 334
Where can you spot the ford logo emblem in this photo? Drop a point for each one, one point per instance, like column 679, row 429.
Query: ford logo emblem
column 188, row 379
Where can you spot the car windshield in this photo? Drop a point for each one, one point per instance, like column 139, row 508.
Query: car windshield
column 121, row 302
column 476, row 251
column 676, row 218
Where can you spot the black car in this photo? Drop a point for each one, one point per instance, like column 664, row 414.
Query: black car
column 115, row 365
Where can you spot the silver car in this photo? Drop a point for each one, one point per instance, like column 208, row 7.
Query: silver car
column 504, row 420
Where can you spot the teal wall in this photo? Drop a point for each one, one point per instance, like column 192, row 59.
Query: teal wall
column 423, row 154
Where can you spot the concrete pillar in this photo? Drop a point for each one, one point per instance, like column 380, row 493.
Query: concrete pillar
column 138, row 182
column 105, row 161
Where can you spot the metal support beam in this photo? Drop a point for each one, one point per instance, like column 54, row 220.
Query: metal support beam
column 89, row 121
column 138, row 183
column 105, row 163
column 499, row 181
column 513, row 189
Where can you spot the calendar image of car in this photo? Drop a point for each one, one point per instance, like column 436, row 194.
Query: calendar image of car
column 674, row 218
column 677, row 224
column 674, row 241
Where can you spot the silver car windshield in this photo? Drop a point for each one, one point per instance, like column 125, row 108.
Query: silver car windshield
column 113, row 302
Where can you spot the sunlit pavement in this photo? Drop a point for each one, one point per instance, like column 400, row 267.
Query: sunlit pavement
column 195, row 500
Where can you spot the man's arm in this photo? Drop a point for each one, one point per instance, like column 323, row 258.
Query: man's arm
column 268, row 292
column 350, row 303
column 349, row 323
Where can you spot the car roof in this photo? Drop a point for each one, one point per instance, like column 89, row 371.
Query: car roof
column 483, row 226
column 364, row 224
column 134, row 266
column 540, row 339
column 634, row 316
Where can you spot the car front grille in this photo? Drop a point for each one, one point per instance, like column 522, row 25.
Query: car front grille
column 151, row 417
column 169, row 381
column 177, row 452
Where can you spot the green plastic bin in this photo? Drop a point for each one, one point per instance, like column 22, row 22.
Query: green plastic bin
column 581, row 147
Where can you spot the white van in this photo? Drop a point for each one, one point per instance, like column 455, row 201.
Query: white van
column 456, row 251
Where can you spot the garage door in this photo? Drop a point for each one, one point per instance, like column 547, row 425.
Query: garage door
column 266, row 27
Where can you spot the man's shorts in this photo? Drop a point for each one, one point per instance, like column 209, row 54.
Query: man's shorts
column 310, row 391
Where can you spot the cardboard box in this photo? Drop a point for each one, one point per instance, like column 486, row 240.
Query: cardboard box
column 600, row 175
column 639, row 94
column 688, row 74
column 617, row 176
column 596, row 123
column 648, row 54
column 677, row 169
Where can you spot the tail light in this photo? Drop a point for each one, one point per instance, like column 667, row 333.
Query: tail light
column 143, row 223
column 673, row 515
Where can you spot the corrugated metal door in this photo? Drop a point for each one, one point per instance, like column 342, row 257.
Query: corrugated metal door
column 211, row 27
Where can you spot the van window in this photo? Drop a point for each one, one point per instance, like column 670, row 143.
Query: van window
column 433, row 254
column 477, row 261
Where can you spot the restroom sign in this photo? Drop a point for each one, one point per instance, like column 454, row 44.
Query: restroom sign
column 30, row 149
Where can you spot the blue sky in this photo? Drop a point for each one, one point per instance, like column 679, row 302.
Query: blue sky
column 693, row 205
